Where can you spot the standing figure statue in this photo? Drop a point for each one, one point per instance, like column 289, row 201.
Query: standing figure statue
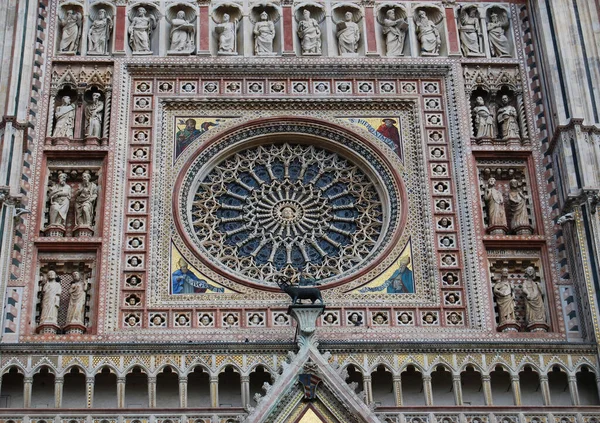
column 499, row 44
column 77, row 297
column 93, row 115
column 470, row 32
column 428, row 35
column 85, row 197
column 140, row 31
column 505, row 300
column 394, row 31
column 99, row 34
column 51, row 291
column 484, row 120
column 348, row 35
column 535, row 312
column 310, row 34
column 65, row 119
column 517, row 201
column 60, row 199
column 507, row 118
column 71, row 32
column 227, row 31
column 182, row 34
column 264, row 34
column 495, row 208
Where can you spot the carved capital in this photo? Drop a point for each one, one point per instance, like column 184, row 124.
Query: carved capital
column 306, row 317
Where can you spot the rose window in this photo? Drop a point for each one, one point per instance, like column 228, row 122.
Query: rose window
column 285, row 209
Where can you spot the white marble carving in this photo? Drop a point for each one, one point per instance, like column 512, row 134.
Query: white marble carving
column 497, row 27
column 60, row 199
column 70, row 25
column 394, row 28
column 65, row 119
column 348, row 35
column 428, row 33
column 470, row 32
column 264, row 34
column 507, row 119
column 51, row 291
column 99, row 33
column 183, row 32
column 309, row 32
column 93, row 116
column 140, row 30
column 85, row 198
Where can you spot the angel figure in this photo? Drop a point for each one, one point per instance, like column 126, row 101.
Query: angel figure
column 394, row 31
column 182, row 33
column 499, row 44
column 227, row 33
column 140, row 31
column 348, row 35
column 470, row 32
column 99, row 33
column 264, row 34
column 71, row 32
column 310, row 34
column 428, row 33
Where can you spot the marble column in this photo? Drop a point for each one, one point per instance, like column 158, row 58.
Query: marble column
column 545, row 387
column 368, row 387
column 427, row 390
column 183, row 391
column 151, row 391
column 121, row 392
column 516, row 389
column 573, row 389
column 487, row 389
column 59, row 382
column 214, row 391
column 27, row 385
column 89, row 388
column 398, row 389
column 458, row 396
column 245, row 390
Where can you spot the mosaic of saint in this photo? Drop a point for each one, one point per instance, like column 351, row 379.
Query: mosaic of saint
column 188, row 130
column 385, row 129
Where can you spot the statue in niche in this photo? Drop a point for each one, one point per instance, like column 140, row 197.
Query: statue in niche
column 495, row 208
column 51, row 291
column 140, row 31
column 394, row 31
column 227, row 31
column 535, row 311
column 71, row 32
column 507, row 118
column 348, row 35
column 65, row 119
column 93, row 115
column 77, row 297
column 99, row 33
column 517, row 201
column 85, row 197
column 505, row 301
column 182, row 34
column 470, row 32
column 484, row 120
column 499, row 44
column 310, row 34
column 264, row 34
column 428, row 34
column 60, row 199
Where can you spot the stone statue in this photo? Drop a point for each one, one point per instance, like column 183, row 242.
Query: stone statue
column 264, row 34
column 60, row 198
column 227, row 31
column 428, row 35
column 394, row 31
column 71, row 32
column 85, row 198
column 140, row 31
column 507, row 118
column 348, row 35
column 51, row 291
column 484, row 120
column 77, row 297
column 495, row 208
column 93, row 115
column 65, row 119
column 99, row 34
column 470, row 32
column 310, row 34
column 517, row 201
column 182, row 34
column 504, row 294
column 534, row 301
column 499, row 44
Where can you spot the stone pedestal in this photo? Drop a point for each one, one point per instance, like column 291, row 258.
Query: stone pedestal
column 47, row 328
column 509, row 327
column 306, row 316
column 538, row 327
column 75, row 329
column 83, row 231
column 523, row 230
column 497, row 230
column 54, row 231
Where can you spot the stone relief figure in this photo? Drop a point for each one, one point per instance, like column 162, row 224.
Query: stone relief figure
column 394, row 31
column 535, row 311
column 93, row 115
column 227, row 32
column 499, row 44
column 505, row 300
column 85, row 197
column 140, row 31
column 65, row 119
column 428, row 34
column 77, row 297
column 51, row 291
column 60, row 199
column 484, row 120
column 70, row 32
column 517, row 201
column 507, row 118
column 348, row 35
column 182, row 33
column 264, row 34
column 99, row 33
column 310, row 34
column 470, row 32
column 495, row 208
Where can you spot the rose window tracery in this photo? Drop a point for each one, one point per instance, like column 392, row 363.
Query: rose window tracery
column 285, row 209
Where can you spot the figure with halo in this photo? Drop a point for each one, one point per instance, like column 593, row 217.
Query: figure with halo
column 182, row 33
column 428, row 33
column 264, row 34
column 140, row 31
column 394, row 31
column 348, row 35
column 309, row 32
column 227, row 32
column 496, row 27
column 71, row 32
column 99, row 33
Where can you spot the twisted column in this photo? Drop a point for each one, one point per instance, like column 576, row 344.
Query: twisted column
column 151, row 391
column 487, row 389
column 516, row 388
column 89, row 389
column 398, row 389
column 458, row 396
column 427, row 390
column 59, row 382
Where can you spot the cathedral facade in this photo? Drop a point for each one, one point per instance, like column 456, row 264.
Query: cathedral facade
column 299, row 211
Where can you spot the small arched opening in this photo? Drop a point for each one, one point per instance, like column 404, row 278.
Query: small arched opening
column 412, row 386
column 74, row 389
column 382, row 383
column 11, row 395
column 167, row 389
column 105, row 389
column 472, row 387
column 42, row 390
column 198, row 388
column 230, row 388
column 136, row 389
column 442, row 388
column 531, row 391
column 587, row 386
column 355, row 375
column 501, row 387
column 558, row 381
column 257, row 379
